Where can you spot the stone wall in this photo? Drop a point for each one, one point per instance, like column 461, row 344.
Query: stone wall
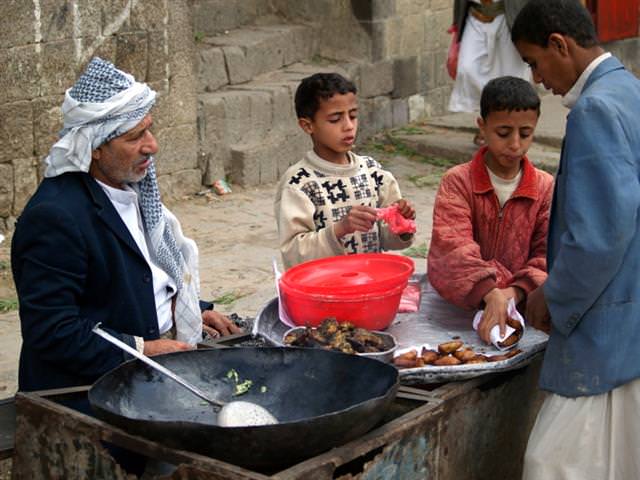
column 394, row 50
column 45, row 44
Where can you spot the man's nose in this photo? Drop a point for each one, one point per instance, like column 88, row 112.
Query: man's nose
column 150, row 144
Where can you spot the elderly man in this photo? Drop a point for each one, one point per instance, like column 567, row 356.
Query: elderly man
column 95, row 244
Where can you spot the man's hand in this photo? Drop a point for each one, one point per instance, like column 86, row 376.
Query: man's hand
column 537, row 311
column 156, row 347
column 495, row 310
column 406, row 209
column 359, row 219
column 217, row 324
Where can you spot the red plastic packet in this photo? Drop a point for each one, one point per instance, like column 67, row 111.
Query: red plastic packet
column 397, row 223
column 410, row 300
column 453, row 53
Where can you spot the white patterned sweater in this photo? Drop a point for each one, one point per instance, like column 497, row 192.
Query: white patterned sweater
column 314, row 194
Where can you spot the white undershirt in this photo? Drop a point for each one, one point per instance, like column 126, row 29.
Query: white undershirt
column 164, row 288
column 503, row 187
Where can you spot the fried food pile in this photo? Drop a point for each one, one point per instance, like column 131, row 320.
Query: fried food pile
column 333, row 335
column 515, row 336
column 449, row 353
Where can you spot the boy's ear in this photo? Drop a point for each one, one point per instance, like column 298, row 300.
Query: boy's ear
column 306, row 125
column 480, row 123
column 558, row 43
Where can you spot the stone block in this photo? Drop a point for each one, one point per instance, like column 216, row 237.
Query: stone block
column 16, row 131
column 376, row 78
column 115, row 16
column 428, row 75
column 180, row 29
column 405, row 77
column 56, row 21
column 20, row 78
column 442, row 5
column 25, row 180
column 47, row 122
column 215, row 16
column 211, row 120
column 211, row 69
column 159, row 58
column 442, row 77
column 416, row 106
column 412, row 34
column 383, row 113
column 149, row 15
column 302, row 43
column 104, row 48
column 16, row 23
column 341, row 31
column 441, row 23
column 58, row 67
column 177, row 149
column 373, row 9
column 412, row 7
column 436, row 101
column 245, row 166
column 132, row 54
column 237, row 65
column 292, row 149
column 212, row 164
column 400, row 112
column 6, row 190
column 179, row 184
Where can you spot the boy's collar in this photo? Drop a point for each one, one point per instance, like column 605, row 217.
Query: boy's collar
column 481, row 183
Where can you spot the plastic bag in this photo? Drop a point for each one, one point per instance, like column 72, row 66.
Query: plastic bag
column 496, row 339
column 410, row 299
column 454, row 51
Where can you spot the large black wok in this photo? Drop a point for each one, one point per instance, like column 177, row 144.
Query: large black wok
column 322, row 399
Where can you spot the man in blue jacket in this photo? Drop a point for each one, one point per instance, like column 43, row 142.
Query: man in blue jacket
column 95, row 244
column 589, row 427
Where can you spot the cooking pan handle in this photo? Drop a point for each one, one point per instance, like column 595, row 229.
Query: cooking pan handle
column 152, row 363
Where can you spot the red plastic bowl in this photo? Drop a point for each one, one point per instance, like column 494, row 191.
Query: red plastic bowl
column 373, row 311
column 350, row 274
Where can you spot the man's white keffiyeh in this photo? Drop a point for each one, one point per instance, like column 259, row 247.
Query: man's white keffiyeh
column 103, row 104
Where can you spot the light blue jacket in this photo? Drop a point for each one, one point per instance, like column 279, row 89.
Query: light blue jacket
column 593, row 288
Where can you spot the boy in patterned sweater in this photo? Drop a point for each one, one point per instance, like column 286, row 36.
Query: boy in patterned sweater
column 326, row 203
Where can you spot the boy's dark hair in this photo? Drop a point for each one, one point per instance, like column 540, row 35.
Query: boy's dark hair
column 538, row 19
column 319, row 86
column 508, row 93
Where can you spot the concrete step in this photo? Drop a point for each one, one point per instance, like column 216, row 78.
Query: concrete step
column 457, row 145
column 266, row 161
column 243, row 54
column 213, row 17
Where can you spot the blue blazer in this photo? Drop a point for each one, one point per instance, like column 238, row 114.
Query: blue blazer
column 75, row 264
column 593, row 288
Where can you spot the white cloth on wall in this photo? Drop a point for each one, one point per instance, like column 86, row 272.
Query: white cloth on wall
column 586, row 438
column 486, row 52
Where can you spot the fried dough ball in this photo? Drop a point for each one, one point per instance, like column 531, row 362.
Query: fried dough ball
column 447, row 360
column 449, row 347
column 464, row 355
column 477, row 359
column 511, row 339
column 429, row 356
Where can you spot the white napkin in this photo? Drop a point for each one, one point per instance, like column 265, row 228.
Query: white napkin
column 282, row 312
column 494, row 335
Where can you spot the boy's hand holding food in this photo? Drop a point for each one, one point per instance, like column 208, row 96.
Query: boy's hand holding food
column 359, row 219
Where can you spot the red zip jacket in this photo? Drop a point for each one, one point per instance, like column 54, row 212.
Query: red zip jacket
column 476, row 245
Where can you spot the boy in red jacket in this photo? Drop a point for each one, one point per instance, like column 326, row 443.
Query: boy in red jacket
column 491, row 214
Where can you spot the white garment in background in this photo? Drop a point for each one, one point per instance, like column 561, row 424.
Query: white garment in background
column 586, row 438
column 486, row 52
column 164, row 288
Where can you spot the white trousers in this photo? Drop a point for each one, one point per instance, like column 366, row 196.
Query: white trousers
column 587, row 438
column 486, row 52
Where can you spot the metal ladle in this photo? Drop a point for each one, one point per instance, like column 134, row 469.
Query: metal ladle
column 231, row 414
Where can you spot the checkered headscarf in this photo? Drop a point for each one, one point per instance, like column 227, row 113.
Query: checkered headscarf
column 103, row 104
